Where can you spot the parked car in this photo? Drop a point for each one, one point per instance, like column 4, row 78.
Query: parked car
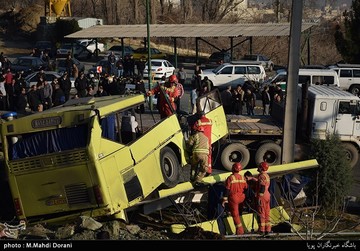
column 234, row 73
column 28, row 64
column 349, row 77
column 143, row 52
column 118, row 51
column 61, row 65
column 92, row 45
column 45, row 46
column 325, row 77
column 102, row 66
column 77, row 50
column 265, row 61
column 159, row 68
column 32, row 78
column 219, row 57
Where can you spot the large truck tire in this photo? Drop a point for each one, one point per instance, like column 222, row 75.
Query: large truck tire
column 352, row 154
column 235, row 152
column 269, row 152
column 170, row 167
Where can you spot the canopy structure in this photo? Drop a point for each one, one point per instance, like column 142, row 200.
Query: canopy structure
column 197, row 31
column 188, row 30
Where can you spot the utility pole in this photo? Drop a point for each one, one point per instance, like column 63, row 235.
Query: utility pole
column 149, row 51
column 290, row 116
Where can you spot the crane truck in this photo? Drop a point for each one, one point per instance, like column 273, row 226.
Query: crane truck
column 322, row 110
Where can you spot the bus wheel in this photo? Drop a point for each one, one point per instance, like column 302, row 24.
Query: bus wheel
column 235, row 152
column 170, row 167
column 351, row 153
column 269, row 152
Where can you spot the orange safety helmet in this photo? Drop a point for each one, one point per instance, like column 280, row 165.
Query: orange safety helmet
column 264, row 166
column 173, row 79
column 236, row 167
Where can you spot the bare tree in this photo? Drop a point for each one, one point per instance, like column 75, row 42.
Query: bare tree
column 187, row 10
column 214, row 11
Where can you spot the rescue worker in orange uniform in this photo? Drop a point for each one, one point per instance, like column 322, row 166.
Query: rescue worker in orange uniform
column 263, row 197
column 235, row 196
column 167, row 95
column 207, row 124
column 198, row 145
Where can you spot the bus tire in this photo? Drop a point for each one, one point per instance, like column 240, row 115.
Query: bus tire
column 235, row 152
column 170, row 167
column 351, row 153
column 269, row 152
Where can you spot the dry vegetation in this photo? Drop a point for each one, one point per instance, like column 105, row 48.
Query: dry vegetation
column 18, row 25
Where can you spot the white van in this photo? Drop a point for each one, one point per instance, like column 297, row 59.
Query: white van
column 312, row 76
column 234, row 73
column 349, row 76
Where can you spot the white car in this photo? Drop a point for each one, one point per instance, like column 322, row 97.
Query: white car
column 234, row 73
column 90, row 44
column 159, row 68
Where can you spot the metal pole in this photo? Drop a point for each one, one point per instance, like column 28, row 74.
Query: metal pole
column 149, row 51
column 175, row 53
column 292, row 83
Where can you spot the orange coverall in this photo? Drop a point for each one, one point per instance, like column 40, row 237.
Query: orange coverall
column 236, row 186
column 263, row 199
column 168, row 92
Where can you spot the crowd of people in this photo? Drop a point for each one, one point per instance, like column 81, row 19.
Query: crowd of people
column 15, row 95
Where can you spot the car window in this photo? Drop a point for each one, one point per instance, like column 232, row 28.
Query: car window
column 169, row 64
column 356, row 73
column 345, row 73
column 280, row 78
column 344, row 107
column 156, row 63
column 253, row 70
column 303, row 79
column 240, row 70
column 140, row 50
column 156, row 51
column 226, row 70
column 328, row 80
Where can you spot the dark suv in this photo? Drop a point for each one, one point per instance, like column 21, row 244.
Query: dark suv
column 217, row 58
column 28, row 64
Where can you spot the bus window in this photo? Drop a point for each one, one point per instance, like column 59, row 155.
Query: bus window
column 51, row 141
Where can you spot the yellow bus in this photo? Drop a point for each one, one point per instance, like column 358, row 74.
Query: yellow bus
column 73, row 160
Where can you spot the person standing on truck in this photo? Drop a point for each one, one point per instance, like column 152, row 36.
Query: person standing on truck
column 265, row 98
column 238, row 98
column 249, row 99
column 236, row 187
column 167, row 95
column 263, row 197
column 207, row 124
column 198, row 145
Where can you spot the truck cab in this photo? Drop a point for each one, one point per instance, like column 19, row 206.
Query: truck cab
column 332, row 110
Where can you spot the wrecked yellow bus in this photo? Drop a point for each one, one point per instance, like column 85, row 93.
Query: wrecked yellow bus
column 72, row 160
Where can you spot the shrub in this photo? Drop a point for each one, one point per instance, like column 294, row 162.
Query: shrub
column 332, row 181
